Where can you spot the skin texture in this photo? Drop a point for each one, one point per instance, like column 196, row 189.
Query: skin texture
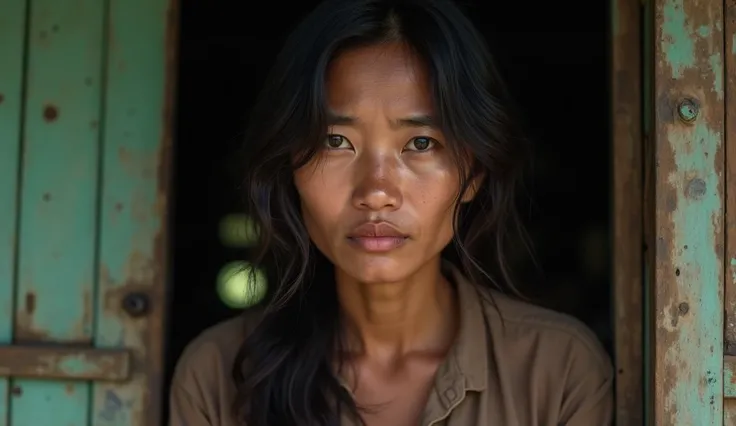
column 384, row 162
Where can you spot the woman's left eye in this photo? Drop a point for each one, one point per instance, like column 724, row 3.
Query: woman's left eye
column 421, row 144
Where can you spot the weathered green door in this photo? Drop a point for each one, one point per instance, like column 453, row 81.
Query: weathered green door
column 85, row 119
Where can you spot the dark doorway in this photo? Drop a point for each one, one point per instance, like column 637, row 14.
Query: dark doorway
column 554, row 56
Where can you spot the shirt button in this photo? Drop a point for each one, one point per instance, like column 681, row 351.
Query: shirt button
column 451, row 395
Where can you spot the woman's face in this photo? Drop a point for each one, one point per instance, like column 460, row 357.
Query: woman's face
column 378, row 199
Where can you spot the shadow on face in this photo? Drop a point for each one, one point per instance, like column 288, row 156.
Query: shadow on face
column 378, row 199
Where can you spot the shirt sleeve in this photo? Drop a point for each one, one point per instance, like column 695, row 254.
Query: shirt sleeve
column 185, row 410
column 588, row 397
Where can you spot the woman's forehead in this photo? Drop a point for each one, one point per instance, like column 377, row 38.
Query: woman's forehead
column 385, row 75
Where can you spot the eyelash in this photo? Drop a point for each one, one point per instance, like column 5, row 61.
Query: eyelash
column 432, row 143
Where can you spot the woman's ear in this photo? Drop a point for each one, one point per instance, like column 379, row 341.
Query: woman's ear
column 473, row 187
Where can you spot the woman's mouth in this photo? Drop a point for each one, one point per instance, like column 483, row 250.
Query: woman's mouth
column 377, row 237
column 378, row 244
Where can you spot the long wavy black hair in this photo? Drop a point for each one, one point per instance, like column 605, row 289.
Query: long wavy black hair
column 285, row 369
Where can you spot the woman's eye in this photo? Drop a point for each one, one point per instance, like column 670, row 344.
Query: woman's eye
column 420, row 144
column 337, row 142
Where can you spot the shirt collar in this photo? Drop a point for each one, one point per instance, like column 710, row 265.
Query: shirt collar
column 470, row 352
column 466, row 366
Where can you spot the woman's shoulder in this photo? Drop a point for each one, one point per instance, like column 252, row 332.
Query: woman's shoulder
column 202, row 385
column 218, row 343
column 525, row 320
column 555, row 354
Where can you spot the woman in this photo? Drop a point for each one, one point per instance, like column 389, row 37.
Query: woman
column 381, row 162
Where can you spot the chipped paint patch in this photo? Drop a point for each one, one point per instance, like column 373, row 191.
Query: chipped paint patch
column 677, row 43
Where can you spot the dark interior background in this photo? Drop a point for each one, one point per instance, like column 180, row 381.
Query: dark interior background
column 553, row 55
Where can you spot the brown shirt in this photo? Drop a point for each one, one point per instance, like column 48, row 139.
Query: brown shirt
column 514, row 365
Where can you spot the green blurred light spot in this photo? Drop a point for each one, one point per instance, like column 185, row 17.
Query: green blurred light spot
column 240, row 285
column 238, row 230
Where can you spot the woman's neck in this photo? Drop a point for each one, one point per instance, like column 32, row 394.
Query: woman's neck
column 390, row 320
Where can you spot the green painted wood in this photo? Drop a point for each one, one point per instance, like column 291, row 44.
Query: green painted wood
column 59, row 191
column 136, row 138
column 689, row 222
column 12, row 39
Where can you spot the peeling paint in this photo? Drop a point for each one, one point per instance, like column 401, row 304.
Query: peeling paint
column 689, row 198
column 716, row 65
column 677, row 44
column 699, row 221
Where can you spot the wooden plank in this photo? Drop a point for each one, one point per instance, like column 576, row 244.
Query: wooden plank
column 729, row 377
column 729, row 412
column 730, row 140
column 12, row 44
column 56, row 271
column 627, row 214
column 649, row 206
column 64, row 362
column 133, row 240
column 689, row 242
column 729, row 365
column 729, row 390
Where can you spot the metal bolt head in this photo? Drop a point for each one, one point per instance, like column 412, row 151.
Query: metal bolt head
column 136, row 304
column 688, row 110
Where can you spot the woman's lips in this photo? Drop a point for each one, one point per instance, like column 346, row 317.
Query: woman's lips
column 378, row 244
column 377, row 237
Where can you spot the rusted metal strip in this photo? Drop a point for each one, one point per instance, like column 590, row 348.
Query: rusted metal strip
column 66, row 363
column 627, row 220
column 688, row 224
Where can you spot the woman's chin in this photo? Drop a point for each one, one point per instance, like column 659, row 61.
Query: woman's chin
column 375, row 270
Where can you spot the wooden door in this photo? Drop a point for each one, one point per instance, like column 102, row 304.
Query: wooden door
column 85, row 144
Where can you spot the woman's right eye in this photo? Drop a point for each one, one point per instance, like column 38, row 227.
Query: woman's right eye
column 337, row 142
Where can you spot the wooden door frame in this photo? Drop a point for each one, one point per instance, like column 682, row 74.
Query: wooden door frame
column 627, row 252
column 685, row 203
